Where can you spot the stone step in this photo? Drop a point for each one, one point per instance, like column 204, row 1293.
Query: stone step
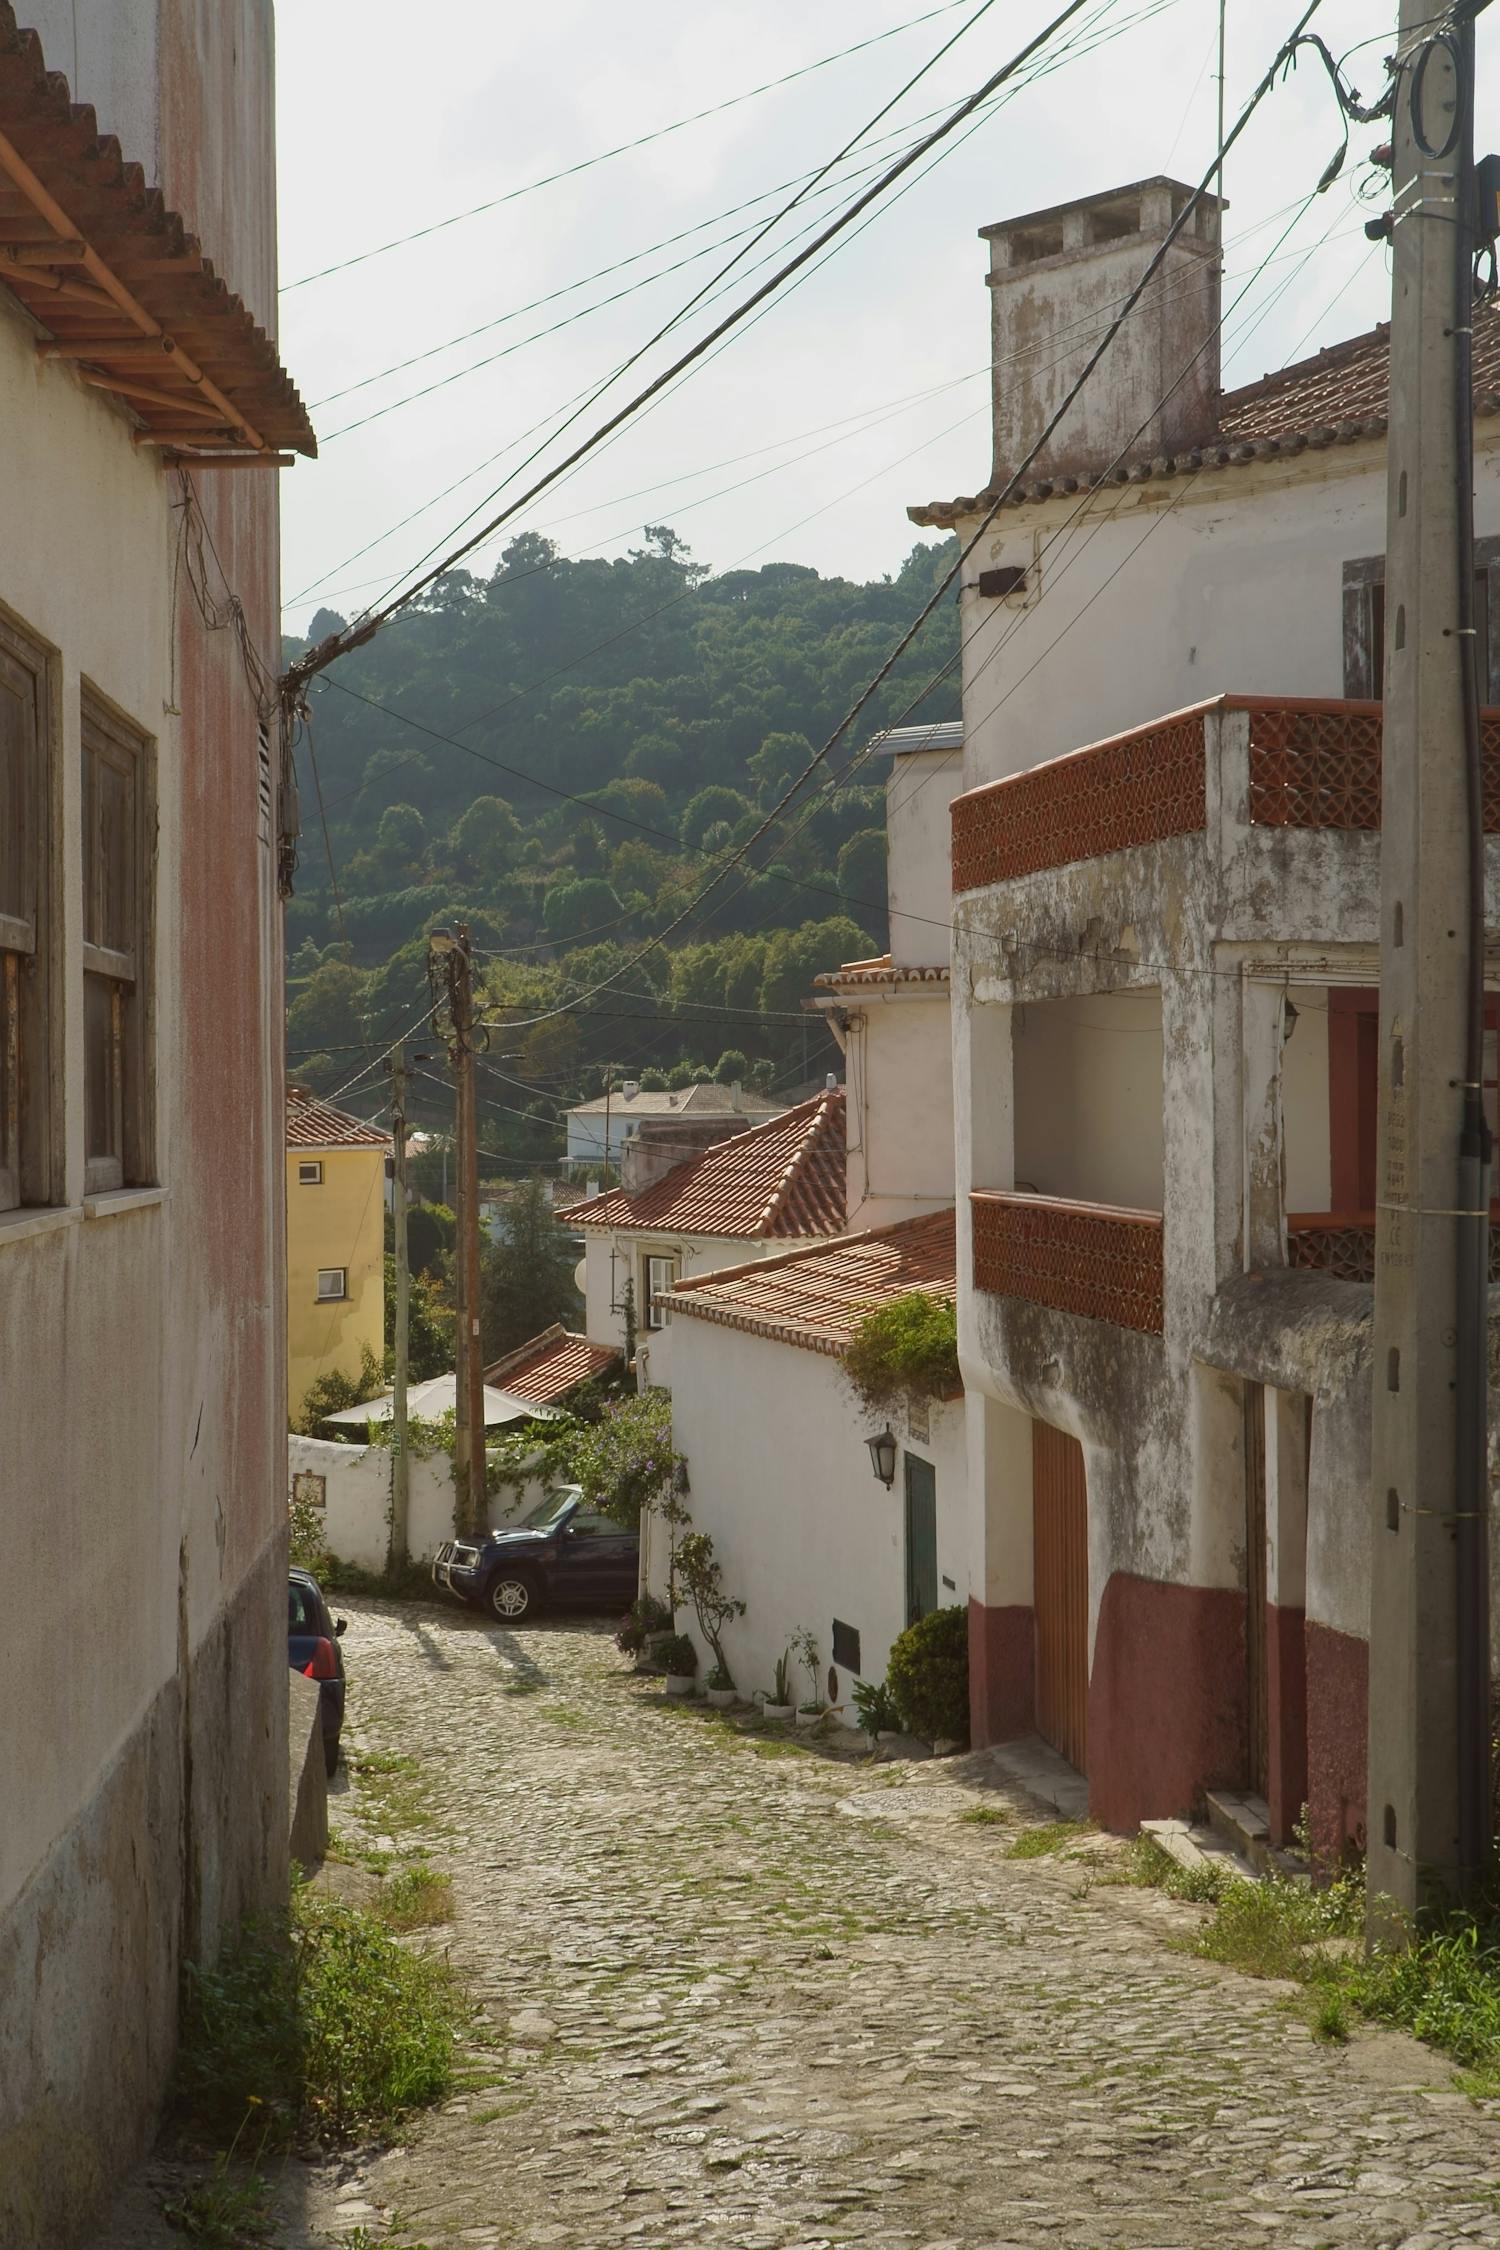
column 1193, row 1846
column 1243, row 1822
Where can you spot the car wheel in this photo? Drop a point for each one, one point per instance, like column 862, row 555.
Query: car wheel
column 512, row 1597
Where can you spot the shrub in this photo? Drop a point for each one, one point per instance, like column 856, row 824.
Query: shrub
column 876, row 1707
column 929, row 1675
column 321, row 2023
column 645, row 1615
column 680, row 1655
column 907, row 1349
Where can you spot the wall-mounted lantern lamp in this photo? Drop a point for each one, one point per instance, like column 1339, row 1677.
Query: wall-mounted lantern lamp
column 883, row 1456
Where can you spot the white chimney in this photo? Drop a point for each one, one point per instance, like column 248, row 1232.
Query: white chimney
column 631, row 1088
column 736, row 1094
column 830, row 1083
column 1057, row 278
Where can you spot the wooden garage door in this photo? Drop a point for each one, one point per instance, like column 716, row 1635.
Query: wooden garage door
column 1060, row 1537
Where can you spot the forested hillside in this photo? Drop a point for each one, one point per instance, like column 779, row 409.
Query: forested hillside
column 561, row 755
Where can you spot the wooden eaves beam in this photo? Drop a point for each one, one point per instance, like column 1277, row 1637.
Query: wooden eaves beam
column 14, row 165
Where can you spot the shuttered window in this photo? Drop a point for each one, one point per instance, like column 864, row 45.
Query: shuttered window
column 24, row 891
column 116, row 995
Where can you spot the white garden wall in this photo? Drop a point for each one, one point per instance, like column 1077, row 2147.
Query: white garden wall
column 357, row 1498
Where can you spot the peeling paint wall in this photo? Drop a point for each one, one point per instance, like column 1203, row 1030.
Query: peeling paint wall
column 142, row 1387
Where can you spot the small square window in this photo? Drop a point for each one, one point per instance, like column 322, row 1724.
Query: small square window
column 310, row 1175
column 332, row 1283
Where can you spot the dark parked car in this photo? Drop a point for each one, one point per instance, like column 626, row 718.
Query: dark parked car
column 561, row 1554
column 312, row 1647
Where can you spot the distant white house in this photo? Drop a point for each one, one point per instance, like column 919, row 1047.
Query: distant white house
column 619, row 1115
column 750, row 1196
column 780, row 1472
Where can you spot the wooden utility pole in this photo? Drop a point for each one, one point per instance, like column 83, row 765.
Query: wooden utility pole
column 1428, row 1771
column 456, row 957
column 609, row 1092
column 400, row 1548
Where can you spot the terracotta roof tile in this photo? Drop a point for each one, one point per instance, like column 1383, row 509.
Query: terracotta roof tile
column 551, row 1365
column 119, row 231
column 782, row 1178
column 314, row 1124
column 880, row 971
column 816, row 1298
column 1335, row 398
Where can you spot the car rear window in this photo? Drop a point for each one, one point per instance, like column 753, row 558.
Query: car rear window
column 302, row 1609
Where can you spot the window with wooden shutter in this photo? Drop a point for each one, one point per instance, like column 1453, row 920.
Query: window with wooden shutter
column 25, row 1169
column 116, row 995
column 1365, row 624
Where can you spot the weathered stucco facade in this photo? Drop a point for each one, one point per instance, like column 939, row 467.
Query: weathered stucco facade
column 142, row 1500
column 1164, row 947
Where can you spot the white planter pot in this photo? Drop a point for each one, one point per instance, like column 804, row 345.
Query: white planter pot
column 810, row 1718
column 722, row 1697
column 681, row 1683
column 777, row 1710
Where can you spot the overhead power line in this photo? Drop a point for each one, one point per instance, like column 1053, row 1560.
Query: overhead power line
column 605, row 156
column 317, row 659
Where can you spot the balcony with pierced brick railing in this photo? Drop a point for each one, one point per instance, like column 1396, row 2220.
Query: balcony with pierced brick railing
column 1312, row 764
column 1342, row 1243
column 1088, row 1258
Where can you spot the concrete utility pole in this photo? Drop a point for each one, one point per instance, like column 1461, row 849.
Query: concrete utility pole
column 456, row 957
column 400, row 1551
column 609, row 1095
column 1428, row 1774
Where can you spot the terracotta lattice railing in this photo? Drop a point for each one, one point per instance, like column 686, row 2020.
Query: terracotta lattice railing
column 1136, row 789
column 1313, row 764
column 1342, row 1243
column 1087, row 1258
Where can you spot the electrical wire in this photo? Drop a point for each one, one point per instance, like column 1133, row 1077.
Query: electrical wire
column 644, row 140
column 317, row 659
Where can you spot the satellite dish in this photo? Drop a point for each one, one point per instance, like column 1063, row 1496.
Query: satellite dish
column 580, row 1275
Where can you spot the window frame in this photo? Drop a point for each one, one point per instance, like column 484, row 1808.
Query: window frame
column 337, row 1296
column 654, row 1316
column 309, row 1171
column 109, row 739
column 1364, row 624
column 28, row 1169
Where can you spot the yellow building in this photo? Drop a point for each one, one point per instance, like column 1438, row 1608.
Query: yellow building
column 335, row 1242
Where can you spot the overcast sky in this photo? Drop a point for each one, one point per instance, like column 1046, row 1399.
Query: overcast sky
column 867, row 388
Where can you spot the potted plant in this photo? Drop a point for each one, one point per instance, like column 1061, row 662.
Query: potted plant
column 778, row 1703
column 645, row 1621
column 681, row 1660
column 877, row 1711
column 805, row 1650
column 720, row 1688
column 698, row 1575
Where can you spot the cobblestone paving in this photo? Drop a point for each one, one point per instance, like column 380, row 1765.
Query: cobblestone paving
column 745, row 1995
column 749, row 1996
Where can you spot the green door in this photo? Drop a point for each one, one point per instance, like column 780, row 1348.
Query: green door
column 921, row 1538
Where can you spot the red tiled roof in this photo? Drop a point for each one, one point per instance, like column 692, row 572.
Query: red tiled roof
column 817, row 1298
column 314, row 1124
column 1335, row 398
column 880, row 971
column 550, row 1365
column 105, row 265
column 784, row 1178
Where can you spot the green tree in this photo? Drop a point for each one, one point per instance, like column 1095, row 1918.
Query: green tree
column 429, row 1327
column 483, row 840
column 861, row 874
column 526, row 1273
column 795, row 957
column 732, row 1067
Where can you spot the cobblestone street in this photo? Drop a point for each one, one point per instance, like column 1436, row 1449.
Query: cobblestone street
column 747, row 1994
column 743, row 1994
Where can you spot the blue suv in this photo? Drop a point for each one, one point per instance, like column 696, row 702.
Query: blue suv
column 561, row 1554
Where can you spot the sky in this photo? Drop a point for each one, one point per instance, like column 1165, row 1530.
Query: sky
column 807, row 436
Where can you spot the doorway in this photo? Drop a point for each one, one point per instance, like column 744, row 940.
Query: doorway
column 1060, row 1558
column 921, row 1538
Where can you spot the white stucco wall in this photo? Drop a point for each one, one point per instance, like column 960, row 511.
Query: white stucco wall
column 357, row 1499
column 781, row 1480
column 1237, row 588
column 1088, row 1098
column 898, row 1072
column 605, row 1283
column 918, row 793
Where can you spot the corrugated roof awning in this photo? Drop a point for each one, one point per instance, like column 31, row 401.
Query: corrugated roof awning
column 122, row 289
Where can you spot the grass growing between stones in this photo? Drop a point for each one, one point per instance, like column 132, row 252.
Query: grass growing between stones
column 1442, row 1985
column 320, row 2025
column 391, row 1790
column 985, row 1816
column 415, row 1898
column 1041, row 1843
column 222, row 2213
